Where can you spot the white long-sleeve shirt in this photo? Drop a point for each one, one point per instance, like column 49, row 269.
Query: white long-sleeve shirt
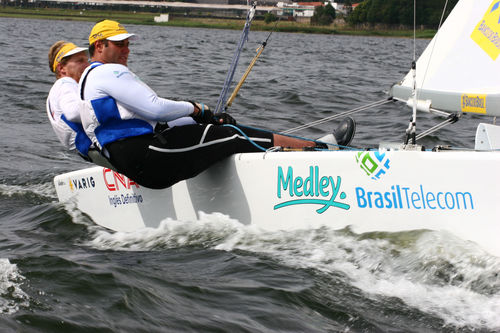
column 64, row 99
column 131, row 93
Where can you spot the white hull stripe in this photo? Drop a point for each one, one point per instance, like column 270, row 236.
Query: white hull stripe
column 205, row 134
column 204, row 144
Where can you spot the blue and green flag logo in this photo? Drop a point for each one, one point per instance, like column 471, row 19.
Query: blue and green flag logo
column 374, row 163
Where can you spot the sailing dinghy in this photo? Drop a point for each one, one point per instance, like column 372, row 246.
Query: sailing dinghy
column 456, row 191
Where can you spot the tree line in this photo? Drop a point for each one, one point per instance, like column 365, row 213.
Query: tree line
column 399, row 12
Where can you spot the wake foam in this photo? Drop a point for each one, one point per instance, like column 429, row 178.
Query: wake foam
column 11, row 295
column 45, row 190
column 209, row 231
column 433, row 272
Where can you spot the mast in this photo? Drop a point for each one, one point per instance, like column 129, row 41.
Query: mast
column 459, row 69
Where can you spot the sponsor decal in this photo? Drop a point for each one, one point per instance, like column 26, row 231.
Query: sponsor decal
column 115, row 181
column 310, row 189
column 81, row 183
column 473, row 103
column 97, row 36
column 124, row 199
column 486, row 32
column 374, row 163
column 119, row 74
column 406, row 197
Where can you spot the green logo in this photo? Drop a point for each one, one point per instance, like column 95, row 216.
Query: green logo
column 374, row 163
column 314, row 189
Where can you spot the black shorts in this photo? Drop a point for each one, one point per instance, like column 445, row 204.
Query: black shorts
column 181, row 152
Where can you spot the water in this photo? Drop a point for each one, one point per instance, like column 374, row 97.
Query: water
column 61, row 273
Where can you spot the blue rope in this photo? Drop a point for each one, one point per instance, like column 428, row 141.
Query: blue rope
column 246, row 137
column 301, row 138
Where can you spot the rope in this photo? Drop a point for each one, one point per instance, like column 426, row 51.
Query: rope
column 453, row 118
column 246, row 137
column 434, row 45
column 300, row 138
column 412, row 126
column 259, row 51
column 234, row 63
column 238, row 86
column 342, row 114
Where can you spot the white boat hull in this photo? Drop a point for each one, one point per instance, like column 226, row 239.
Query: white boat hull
column 458, row 192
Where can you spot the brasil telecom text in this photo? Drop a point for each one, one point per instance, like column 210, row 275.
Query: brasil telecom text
column 402, row 197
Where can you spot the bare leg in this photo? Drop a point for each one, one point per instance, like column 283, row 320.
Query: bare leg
column 288, row 142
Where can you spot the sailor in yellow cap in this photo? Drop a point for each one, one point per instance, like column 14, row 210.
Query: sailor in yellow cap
column 110, row 30
column 112, row 40
column 124, row 115
column 68, row 62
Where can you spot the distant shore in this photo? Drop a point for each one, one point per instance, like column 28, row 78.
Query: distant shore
column 147, row 18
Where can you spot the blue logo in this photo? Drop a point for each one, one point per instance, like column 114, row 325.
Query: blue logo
column 374, row 163
column 495, row 7
column 406, row 197
column 312, row 190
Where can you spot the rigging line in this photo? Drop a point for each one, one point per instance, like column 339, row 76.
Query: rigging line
column 433, row 45
column 259, row 51
column 234, row 63
column 349, row 112
column 301, row 138
column 410, row 132
column 453, row 118
column 414, row 30
column 345, row 113
column 412, row 126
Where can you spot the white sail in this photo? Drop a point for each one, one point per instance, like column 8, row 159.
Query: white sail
column 459, row 71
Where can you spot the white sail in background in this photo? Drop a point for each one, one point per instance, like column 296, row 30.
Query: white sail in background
column 459, row 71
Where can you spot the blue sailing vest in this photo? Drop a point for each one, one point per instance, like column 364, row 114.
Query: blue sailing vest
column 111, row 126
column 82, row 141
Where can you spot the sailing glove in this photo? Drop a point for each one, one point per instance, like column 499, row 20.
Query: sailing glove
column 224, row 118
column 203, row 115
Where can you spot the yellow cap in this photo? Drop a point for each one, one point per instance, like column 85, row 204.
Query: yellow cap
column 67, row 50
column 110, row 30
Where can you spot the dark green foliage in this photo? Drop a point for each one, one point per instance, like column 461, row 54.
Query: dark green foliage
column 270, row 17
column 400, row 12
column 323, row 15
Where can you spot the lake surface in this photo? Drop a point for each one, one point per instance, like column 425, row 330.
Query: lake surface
column 61, row 273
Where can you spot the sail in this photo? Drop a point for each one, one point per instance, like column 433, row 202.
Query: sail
column 459, row 71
